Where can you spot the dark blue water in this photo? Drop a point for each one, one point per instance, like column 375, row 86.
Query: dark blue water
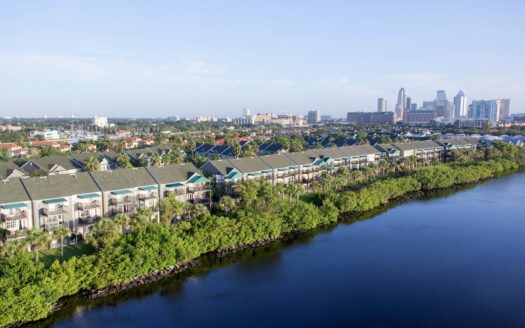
column 455, row 260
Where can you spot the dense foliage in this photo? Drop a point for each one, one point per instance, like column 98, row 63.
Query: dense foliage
column 131, row 247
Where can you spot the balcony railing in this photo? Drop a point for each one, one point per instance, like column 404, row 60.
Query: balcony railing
column 15, row 216
column 175, row 192
column 89, row 220
column 12, row 235
column 199, row 201
column 152, row 195
column 56, row 211
column 88, row 206
column 124, row 200
column 198, row 188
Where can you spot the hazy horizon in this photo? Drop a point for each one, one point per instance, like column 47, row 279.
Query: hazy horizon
column 164, row 58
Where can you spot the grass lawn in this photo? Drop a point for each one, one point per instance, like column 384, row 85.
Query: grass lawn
column 50, row 255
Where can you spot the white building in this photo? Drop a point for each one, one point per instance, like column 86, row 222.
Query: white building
column 314, row 116
column 460, row 105
column 381, row 105
column 100, row 121
column 486, row 109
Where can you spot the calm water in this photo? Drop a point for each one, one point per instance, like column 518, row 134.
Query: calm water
column 455, row 259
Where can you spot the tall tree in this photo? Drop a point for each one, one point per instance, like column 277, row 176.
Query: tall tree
column 38, row 240
column 91, row 164
column 60, row 233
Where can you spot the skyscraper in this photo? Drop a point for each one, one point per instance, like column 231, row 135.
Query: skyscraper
column 460, row 105
column 246, row 112
column 408, row 104
column 505, row 109
column 486, row 109
column 401, row 104
column 314, row 116
column 381, row 105
column 441, row 95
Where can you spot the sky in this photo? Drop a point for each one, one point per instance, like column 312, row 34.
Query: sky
column 185, row 58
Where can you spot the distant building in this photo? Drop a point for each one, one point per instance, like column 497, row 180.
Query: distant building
column 314, row 116
column 471, row 123
column 381, row 105
column 441, row 95
column 248, row 120
column 420, row 117
column 370, row 117
column 246, row 112
column 505, row 110
column 325, row 118
column 460, row 105
column 486, row 109
column 100, row 121
column 401, row 104
column 413, row 107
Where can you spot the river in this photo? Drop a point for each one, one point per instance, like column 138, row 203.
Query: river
column 450, row 259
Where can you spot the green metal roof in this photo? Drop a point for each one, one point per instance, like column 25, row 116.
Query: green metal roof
column 331, row 168
column 149, row 188
column 14, row 205
column 234, row 175
column 175, row 185
column 55, row 201
column 87, row 196
column 198, row 179
column 121, row 192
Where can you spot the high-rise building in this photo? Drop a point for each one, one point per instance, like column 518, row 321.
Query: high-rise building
column 505, row 110
column 441, row 95
column 460, row 105
column 370, row 117
column 246, row 112
column 408, row 104
column 314, row 116
column 381, row 105
column 486, row 109
column 413, row 107
column 401, row 104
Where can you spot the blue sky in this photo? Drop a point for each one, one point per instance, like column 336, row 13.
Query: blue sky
column 163, row 58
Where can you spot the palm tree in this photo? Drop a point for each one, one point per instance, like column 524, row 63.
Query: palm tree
column 227, row 204
column 60, row 233
column 122, row 220
column 38, row 239
column 123, row 160
column 91, row 164
column 156, row 159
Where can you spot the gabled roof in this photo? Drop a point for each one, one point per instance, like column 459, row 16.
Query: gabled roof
column 249, row 164
column 61, row 185
column 8, row 168
column 123, row 178
column 12, row 191
column 416, row 145
column 278, row 161
column 302, row 157
column 47, row 163
column 173, row 172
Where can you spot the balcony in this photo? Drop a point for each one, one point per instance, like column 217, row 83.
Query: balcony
column 175, row 192
column 88, row 206
column 16, row 216
column 17, row 234
column 198, row 188
column 196, row 201
column 121, row 201
column 56, row 211
column 152, row 195
column 89, row 220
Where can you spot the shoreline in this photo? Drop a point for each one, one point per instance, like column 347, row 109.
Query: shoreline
column 221, row 253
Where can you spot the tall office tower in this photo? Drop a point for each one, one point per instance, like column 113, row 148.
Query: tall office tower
column 460, row 105
column 408, row 104
column 314, row 116
column 441, row 95
column 505, row 110
column 401, row 104
column 486, row 109
column 246, row 112
column 413, row 107
column 381, row 105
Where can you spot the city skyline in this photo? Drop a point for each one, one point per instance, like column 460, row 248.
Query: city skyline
column 169, row 59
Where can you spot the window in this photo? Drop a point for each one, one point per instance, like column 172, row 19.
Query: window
column 84, row 213
column 11, row 224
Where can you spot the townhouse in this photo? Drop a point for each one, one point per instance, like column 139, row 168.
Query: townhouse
column 71, row 200
column 456, row 143
column 424, row 149
column 126, row 190
column 15, row 210
column 10, row 170
column 184, row 181
column 299, row 167
column 52, row 165
column 106, row 161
